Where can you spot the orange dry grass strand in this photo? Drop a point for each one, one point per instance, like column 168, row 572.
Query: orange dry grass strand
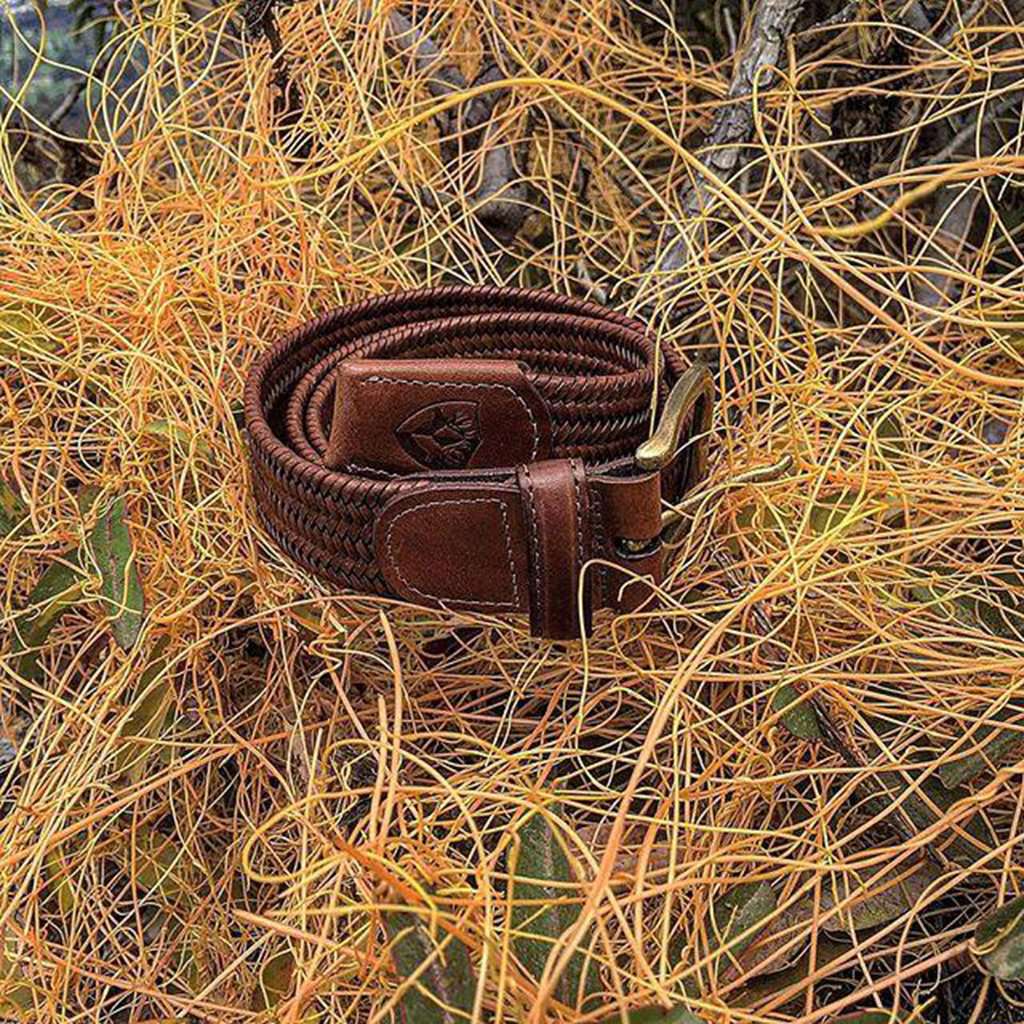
column 460, row 97
column 318, row 754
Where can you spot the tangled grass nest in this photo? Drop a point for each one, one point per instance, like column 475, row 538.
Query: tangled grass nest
column 786, row 790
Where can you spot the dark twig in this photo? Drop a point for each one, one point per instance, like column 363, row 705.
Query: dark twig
column 499, row 195
column 984, row 113
column 847, row 13
column 955, row 210
column 946, row 37
column 443, row 79
column 722, row 153
column 68, row 160
column 406, row 37
column 65, row 106
column 260, row 18
column 255, row 14
column 579, row 177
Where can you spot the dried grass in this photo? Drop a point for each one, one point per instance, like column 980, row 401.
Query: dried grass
column 319, row 745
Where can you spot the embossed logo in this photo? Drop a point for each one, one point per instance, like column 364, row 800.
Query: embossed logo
column 441, row 436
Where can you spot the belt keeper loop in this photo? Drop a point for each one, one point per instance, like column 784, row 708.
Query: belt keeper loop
column 630, row 508
column 556, row 508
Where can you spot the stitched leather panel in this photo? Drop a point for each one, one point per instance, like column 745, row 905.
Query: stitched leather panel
column 556, row 504
column 461, row 547
column 410, row 415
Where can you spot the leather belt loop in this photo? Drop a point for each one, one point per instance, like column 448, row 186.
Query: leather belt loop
column 556, row 506
column 630, row 515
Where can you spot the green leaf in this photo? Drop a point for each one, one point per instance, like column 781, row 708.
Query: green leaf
column 277, row 976
column 146, row 718
column 960, row 849
column 157, row 865
column 836, row 515
column 882, row 897
column 993, row 745
column 992, row 605
column 825, row 952
column 22, row 333
column 86, row 498
column 444, row 990
column 545, row 904
column 277, row 983
column 878, row 896
column 734, row 918
column 918, row 806
column 778, row 943
column 60, row 876
column 188, row 972
column 999, row 941
column 176, row 434
column 59, row 588
column 13, row 511
column 185, row 967
column 845, row 513
column 892, row 440
column 120, row 586
column 754, row 523
column 15, row 993
column 796, row 713
column 653, row 1015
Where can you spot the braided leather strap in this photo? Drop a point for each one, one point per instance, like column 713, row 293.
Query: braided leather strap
column 471, row 448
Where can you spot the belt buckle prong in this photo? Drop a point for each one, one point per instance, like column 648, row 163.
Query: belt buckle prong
column 695, row 388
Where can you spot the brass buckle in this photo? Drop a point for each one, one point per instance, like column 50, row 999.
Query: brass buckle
column 689, row 403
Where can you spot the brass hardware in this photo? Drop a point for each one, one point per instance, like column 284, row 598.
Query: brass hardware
column 661, row 447
column 688, row 404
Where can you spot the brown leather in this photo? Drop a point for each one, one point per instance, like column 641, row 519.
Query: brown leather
column 469, row 448
column 460, row 545
column 556, row 502
column 408, row 415
column 629, row 508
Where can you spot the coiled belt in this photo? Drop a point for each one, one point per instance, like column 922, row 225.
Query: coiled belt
column 475, row 448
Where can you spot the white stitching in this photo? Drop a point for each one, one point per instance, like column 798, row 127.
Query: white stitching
column 538, row 593
column 371, row 470
column 500, row 502
column 602, row 542
column 456, row 384
column 579, row 515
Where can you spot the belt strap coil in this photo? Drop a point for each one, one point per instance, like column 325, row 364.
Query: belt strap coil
column 471, row 448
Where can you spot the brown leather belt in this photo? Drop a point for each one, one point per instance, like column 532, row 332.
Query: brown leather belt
column 475, row 449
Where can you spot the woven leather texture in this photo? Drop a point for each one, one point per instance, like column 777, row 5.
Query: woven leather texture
column 596, row 370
